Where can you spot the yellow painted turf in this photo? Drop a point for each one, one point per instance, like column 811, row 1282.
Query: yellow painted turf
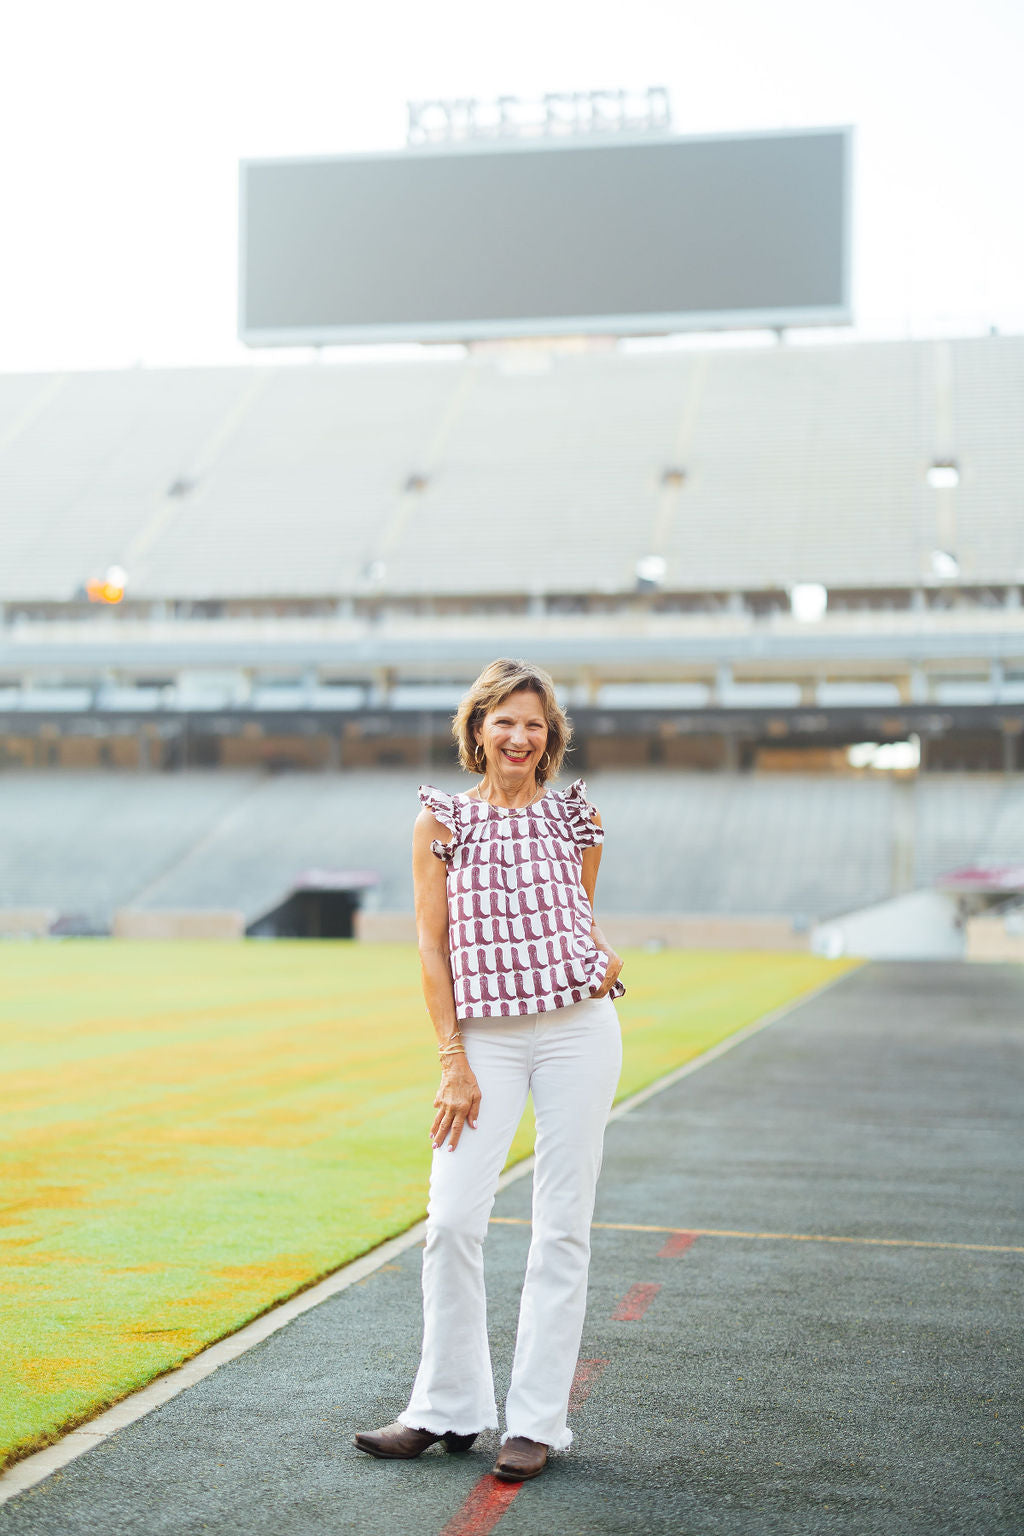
column 192, row 1132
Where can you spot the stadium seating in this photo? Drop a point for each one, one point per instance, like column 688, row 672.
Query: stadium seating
column 800, row 846
column 953, row 828
column 89, row 843
column 746, row 468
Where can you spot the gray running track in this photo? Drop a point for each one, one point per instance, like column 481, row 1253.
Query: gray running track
column 771, row 1384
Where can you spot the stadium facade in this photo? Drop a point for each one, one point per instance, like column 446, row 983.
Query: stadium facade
column 317, row 559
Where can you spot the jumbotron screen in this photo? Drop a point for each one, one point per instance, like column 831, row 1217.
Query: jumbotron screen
column 622, row 236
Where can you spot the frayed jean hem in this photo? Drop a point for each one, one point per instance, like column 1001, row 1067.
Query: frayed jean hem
column 416, row 1421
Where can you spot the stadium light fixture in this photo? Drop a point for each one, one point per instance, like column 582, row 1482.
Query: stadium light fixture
column 943, row 475
column 887, row 755
column 808, row 601
column 650, row 572
column 108, row 590
column 945, row 564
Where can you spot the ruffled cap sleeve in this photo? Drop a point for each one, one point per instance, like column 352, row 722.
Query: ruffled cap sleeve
column 444, row 808
column 581, row 815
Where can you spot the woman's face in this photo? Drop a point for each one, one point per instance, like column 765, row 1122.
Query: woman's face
column 515, row 735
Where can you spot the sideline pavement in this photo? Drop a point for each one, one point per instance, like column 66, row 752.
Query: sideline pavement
column 736, row 1384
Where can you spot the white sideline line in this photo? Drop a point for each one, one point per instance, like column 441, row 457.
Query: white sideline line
column 33, row 1469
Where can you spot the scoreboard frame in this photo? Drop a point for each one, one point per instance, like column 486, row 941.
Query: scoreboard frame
column 629, row 321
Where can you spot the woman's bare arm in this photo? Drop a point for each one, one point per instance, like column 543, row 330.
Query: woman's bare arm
column 458, row 1098
column 591, row 865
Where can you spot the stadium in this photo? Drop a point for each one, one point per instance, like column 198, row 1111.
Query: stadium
column 778, row 580
column 317, row 560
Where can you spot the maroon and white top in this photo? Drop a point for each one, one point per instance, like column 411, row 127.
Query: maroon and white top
column 518, row 917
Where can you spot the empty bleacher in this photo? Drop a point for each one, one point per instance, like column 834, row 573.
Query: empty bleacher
column 86, row 846
column 795, row 846
column 953, row 828
column 467, row 476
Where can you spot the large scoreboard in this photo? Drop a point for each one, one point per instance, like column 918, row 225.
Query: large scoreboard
column 618, row 236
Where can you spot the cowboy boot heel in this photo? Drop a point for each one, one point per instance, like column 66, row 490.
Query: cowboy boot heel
column 456, row 1442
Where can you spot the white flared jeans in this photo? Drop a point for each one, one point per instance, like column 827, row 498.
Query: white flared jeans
column 570, row 1060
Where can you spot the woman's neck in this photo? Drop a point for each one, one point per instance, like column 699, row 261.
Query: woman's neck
column 514, row 797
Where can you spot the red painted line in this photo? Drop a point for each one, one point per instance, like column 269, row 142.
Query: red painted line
column 677, row 1243
column 489, row 1498
column 635, row 1303
column 486, row 1503
column 587, row 1372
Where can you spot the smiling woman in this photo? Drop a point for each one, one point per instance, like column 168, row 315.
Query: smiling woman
column 518, row 980
column 513, row 710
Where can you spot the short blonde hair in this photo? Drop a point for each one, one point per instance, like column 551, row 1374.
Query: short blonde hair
column 496, row 683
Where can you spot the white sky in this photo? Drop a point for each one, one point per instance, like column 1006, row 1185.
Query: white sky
column 122, row 123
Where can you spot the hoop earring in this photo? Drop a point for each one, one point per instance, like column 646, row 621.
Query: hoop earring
column 479, row 758
column 545, row 762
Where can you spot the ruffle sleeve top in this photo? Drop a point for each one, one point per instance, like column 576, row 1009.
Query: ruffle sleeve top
column 518, row 917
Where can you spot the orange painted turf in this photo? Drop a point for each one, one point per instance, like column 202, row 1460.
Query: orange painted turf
column 193, row 1132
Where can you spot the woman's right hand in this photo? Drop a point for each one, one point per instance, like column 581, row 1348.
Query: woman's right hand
column 457, row 1102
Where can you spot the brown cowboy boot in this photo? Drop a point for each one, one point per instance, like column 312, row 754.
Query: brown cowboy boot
column 397, row 1442
column 519, row 1459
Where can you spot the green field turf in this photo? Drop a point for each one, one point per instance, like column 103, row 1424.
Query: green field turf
column 192, row 1132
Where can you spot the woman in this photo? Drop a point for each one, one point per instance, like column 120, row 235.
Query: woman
column 518, row 981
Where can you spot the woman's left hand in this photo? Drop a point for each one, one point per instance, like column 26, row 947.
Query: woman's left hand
column 611, row 975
